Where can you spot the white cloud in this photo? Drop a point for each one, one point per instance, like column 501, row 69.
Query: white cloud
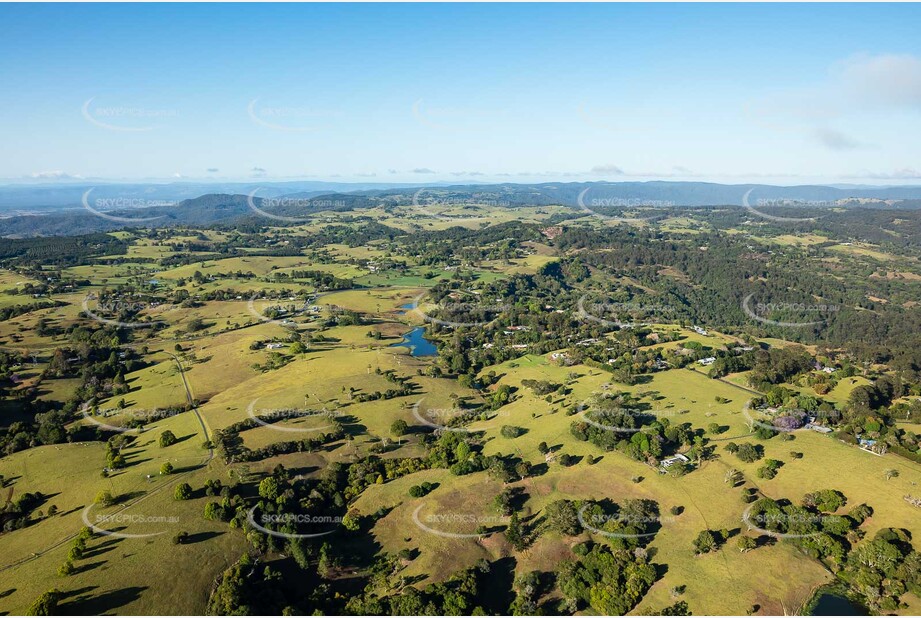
column 905, row 173
column 53, row 175
column 885, row 80
column 835, row 140
column 608, row 170
column 423, row 170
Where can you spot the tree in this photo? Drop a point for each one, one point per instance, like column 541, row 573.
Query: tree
column 351, row 521
column 166, row 468
column 514, row 533
column 749, row 453
column 563, row 516
column 66, row 569
column 46, row 605
column 746, row 543
column 105, row 498
column 167, row 438
column 705, row 542
column 183, row 491
column 268, row 488
column 399, row 428
column 891, row 474
column 734, row 477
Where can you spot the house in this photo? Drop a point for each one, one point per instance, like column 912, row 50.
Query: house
column 699, row 330
column 671, row 461
column 706, row 362
column 818, row 428
column 274, row 346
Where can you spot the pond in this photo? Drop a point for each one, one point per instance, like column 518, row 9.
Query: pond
column 831, row 604
column 417, row 343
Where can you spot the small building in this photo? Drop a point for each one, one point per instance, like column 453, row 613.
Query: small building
column 671, row 461
column 706, row 362
column 818, row 428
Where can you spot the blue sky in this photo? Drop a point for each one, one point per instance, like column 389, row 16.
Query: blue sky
column 436, row 92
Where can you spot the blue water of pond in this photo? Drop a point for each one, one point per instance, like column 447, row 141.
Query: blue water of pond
column 417, row 343
column 834, row 605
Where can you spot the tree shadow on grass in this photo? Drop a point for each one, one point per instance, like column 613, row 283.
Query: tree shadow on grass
column 95, row 605
column 97, row 551
column 89, row 566
column 199, row 537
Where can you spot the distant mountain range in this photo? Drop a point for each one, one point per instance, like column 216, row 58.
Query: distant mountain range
column 32, row 210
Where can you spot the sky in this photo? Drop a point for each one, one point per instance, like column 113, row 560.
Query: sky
column 786, row 94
